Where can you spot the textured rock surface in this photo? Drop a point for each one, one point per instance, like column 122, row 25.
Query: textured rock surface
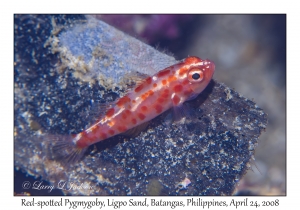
column 58, row 86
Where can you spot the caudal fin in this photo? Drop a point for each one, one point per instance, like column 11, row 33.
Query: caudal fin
column 63, row 148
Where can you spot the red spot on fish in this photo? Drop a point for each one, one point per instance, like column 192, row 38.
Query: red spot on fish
column 158, row 108
column 161, row 100
column 111, row 123
column 133, row 101
column 124, row 116
column 147, row 94
column 185, row 82
column 110, row 112
column 165, row 94
column 163, row 73
column 144, row 96
column 150, row 92
column 188, row 92
column 141, row 116
column 172, row 78
column 122, row 101
column 122, row 128
column 183, row 71
column 164, row 82
column 176, row 100
column 111, row 132
column 154, row 85
column 103, row 135
column 139, row 88
column 133, row 120
column 149, row 80
column 177, row 88
column 144, row 108
column 128, row 112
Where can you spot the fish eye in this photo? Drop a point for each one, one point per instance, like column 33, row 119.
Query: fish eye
column 195, row 75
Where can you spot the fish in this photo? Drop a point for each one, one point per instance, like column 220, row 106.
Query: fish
column 150, row 97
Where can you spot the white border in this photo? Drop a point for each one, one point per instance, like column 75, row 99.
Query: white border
column 8, row 201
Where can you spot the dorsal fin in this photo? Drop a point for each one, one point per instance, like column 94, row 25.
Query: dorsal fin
column 134, row 79
column 98, row 111
column 103, row 107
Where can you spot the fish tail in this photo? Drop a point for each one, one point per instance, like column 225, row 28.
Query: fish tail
column 64, row 149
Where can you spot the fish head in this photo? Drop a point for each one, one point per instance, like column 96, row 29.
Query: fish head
column 200, row 74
